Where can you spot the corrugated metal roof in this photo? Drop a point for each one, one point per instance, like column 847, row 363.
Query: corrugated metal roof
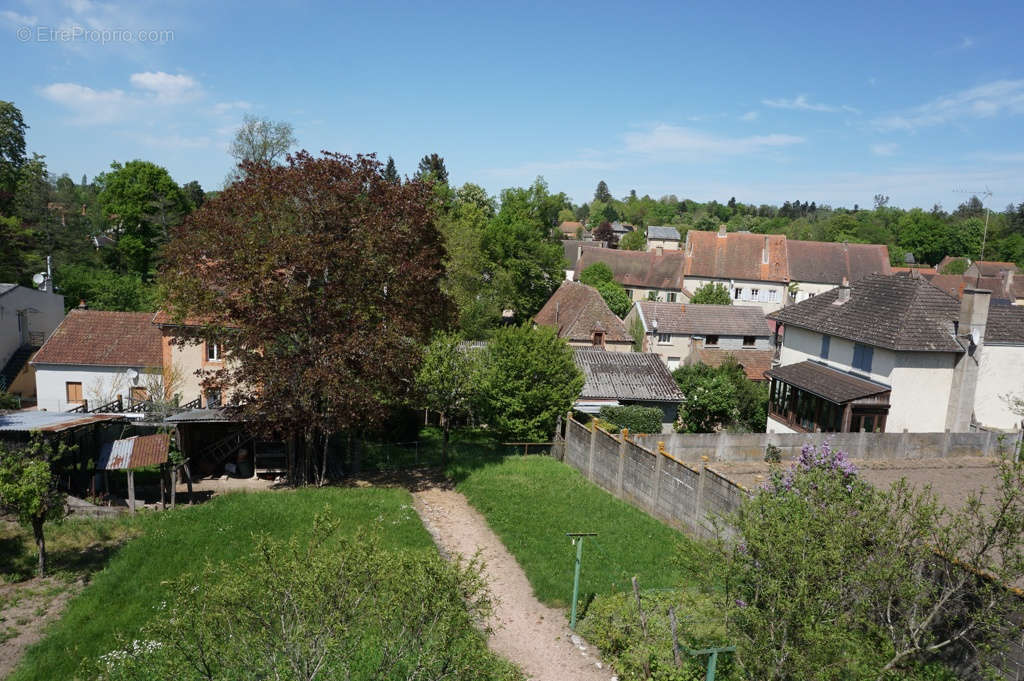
column 218, row 415
column 134, row 452
column 629, row 376
column 49, row 421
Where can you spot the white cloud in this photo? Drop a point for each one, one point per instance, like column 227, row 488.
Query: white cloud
column 167, row 87
column 983, row 101
column 967, row 42
column 884, row 149
column 673, row 139
column 749, row 116
column 89, row 106
column 221, row 108
column 799, row 103
column 16, row 19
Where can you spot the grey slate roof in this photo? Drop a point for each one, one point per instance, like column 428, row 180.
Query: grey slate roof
column 628, row 376
column 4, row 288
column 898, row 312
column 214, row 415
column 834, row 386
column 1005, row 324
column 28, row 420
column 662, row 232
column 691, row 319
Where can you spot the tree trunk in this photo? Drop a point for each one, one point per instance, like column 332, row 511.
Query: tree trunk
column 444, row 440
column 37, row 531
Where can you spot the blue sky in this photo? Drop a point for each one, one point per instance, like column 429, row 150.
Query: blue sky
column 767, row 104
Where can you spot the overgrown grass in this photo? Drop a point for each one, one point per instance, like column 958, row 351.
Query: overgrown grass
column 532, row 501
column 123, row 596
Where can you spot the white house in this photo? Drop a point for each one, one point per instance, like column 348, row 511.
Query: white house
column 662, row 238
column 27, row 318
column 894, row 353
column 753, row 267
column 94, row 357
column 680, row 333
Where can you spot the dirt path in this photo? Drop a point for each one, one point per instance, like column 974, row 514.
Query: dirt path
column 534, row 636
column 25, row 610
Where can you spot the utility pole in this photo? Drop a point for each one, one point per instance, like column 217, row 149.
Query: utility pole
column 988, row 211
column 577, row 539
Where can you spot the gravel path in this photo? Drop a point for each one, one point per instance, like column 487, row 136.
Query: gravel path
column 532, row 635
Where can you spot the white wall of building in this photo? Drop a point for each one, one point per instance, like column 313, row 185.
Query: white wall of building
column 1001, row 373
column 41, row 313
column 769, row 296
column 99, row 384
column 666, row 244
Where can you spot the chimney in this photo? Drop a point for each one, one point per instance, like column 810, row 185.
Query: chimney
column 844, row 292
column 970, row 332
column 764, row 252
column 721, row 231
column 82, row 305
column 660, row 250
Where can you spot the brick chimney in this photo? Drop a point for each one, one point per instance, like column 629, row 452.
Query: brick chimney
column 970, row 333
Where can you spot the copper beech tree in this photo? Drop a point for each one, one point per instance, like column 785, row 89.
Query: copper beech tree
column 321, row 278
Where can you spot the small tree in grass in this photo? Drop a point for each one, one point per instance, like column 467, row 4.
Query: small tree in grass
column 446, row 381
column 528, row 379
column 828, row 577
column 28, row 489
column 712, row 293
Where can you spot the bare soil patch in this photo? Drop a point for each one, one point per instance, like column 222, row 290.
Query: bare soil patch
column 530, row 634
column 25, row 610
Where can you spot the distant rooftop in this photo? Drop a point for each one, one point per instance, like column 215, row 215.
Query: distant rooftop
column 662, row 232
column 29, row 420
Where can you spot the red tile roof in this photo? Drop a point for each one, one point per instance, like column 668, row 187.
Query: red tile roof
column 577, row 310
column 569, row 228
column 101, row 338
column 754, row 362
column 827, row 262
column 737, row 255
column 639, row 269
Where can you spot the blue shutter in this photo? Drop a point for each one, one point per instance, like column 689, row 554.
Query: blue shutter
column 826, row 341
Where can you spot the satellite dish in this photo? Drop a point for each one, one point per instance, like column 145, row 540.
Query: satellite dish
column 133, row 375
column 975, row 337
column 38, row 279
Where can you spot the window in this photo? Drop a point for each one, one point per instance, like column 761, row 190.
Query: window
column 214, row 352
column 749, row 341
column 598, row 338
column 737, row 293
column 862, row 355
column 670, row 296
column 664, row 338
column 773, row 295
column 74, row 391
column 710, row 340
column 826, row 341
column 673, row 363
column 755, row 294
column 213, row 397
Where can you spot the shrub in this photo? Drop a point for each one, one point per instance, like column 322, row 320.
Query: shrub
column 712, row 293
column 595, row 274
column 615, row 296
column 634, row 417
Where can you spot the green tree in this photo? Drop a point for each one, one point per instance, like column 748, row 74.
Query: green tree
column 103, row 289
column 446, row 381
column 718, row 398
column 958, row 266
column 712, row 293
column 144, row 203
column 528, row 380
column 391, row 172
column 566, row 215
column 12, row 151
column 598, row 273
column 615, row 296
column 261, row 141
column 433, row 166
column 194, row 193
column 602, row 194
column 634, row 241
column 28, row 488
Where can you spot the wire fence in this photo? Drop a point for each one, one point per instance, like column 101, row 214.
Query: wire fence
column 386, row 456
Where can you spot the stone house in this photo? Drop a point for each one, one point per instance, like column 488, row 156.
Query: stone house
column 642, row 274
column 662, row 238
column 753, row 267
column 581, row 316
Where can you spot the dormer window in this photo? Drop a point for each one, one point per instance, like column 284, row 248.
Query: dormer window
column 599, row 338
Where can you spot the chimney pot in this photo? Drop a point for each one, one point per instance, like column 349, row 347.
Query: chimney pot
column 844, row 292
column 82, row 305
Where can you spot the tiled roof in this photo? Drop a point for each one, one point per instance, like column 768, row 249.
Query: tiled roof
column 643, row 269
column 899, row 312
column 829, row 262
column 577, row 310
column 1005, row 324
column 640, row 376
column 4, row 288
column 101, row 338
column 663, row 233
column 689, row 319
column 954, row 285
column 737, row 255
column 834, row 386
column 991, row 268
column 754, row 362
column 570, row 227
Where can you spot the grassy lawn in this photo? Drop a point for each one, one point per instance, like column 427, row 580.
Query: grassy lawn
column 124, row 595
column 532, row 501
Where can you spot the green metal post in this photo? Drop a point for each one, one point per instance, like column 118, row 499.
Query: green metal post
column 576, row 582
column 577, row 537
column 712, row 654
column 712, row 663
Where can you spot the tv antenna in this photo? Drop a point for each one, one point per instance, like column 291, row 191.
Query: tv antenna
column 987, row 194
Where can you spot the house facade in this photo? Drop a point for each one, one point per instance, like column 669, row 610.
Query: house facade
column 581, row 316
column 675, row 332
column 642, row 274
column 191, row 366
column 753, row 267
column 662, row 238
column 27, row 318
column 619, row 379
column 94, row 357
column 892, row 354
